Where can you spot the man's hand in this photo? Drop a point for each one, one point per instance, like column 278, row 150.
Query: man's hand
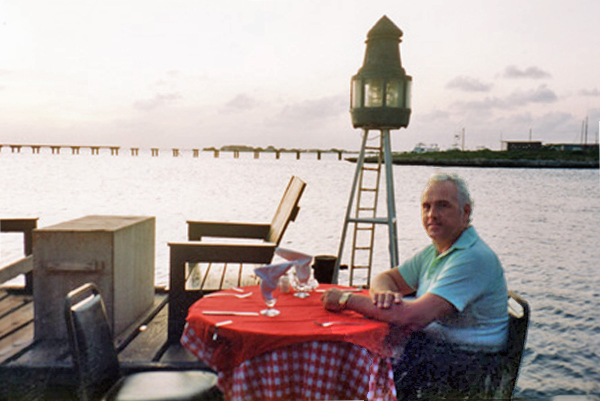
column 331, row 299
column 385, row 299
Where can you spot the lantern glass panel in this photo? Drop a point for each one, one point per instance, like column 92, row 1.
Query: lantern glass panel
column 394, row 93
column 357, row 93
column 374, row 92
column 407, row 95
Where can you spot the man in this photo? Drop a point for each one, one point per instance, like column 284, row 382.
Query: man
column 458, row 321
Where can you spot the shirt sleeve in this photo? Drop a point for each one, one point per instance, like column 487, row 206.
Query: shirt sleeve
column 411, row 269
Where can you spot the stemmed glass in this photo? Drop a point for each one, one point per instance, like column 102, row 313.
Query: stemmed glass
column 269, row 280
column 302, row 282
column 270, row 300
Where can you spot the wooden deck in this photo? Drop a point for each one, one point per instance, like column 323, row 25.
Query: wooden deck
column 40, row 370
column 43, row 370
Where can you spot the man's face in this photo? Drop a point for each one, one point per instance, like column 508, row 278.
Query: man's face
column 442, row 216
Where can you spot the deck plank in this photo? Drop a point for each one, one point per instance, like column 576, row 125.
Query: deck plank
column 176, row 354
column 31, row 370
column 20, row 315
column 15, row 343
column 16, row 325
column 208, row 276
column 149, row 340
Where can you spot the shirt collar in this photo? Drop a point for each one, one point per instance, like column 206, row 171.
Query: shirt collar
column 466, row 240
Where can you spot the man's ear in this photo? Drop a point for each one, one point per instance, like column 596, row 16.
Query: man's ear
column 467, row 211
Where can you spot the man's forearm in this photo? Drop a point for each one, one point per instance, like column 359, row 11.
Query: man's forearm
column 364, row 305
column 397, row 314
column 410, row 315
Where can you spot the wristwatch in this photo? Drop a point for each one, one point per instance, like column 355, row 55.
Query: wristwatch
column 344, row 299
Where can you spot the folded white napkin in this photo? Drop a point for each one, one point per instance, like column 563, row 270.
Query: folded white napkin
column 301, row 261
column 270, row 274
column 269, row 277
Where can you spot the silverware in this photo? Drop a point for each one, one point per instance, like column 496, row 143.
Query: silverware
column 341, row 289
column 224, row 294
column 219, row 324
column 229, row 313
column 327, row 324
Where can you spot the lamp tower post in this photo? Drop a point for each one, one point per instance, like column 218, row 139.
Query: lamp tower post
column 380, row 100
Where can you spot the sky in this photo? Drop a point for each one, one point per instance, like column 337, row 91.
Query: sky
column 197, row 73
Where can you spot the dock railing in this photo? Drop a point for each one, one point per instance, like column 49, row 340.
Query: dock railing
column 25, row 264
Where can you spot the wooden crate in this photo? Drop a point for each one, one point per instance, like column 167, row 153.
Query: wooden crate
column 114, row 252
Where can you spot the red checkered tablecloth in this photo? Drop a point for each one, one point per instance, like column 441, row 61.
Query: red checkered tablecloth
column 314, row 370
column 288, row 357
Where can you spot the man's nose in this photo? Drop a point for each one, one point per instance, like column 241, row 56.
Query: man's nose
column 432, row 212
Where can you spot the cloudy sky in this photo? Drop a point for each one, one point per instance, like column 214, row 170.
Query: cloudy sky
column 199, row 73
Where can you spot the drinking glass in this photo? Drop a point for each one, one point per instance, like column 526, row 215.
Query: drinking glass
column 304, row 283
column 270, row 300
column 269, row 280
column 301, row 286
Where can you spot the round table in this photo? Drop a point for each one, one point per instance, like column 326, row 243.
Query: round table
column 289, row 356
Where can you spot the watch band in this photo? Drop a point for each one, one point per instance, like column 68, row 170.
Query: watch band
column 343, row 301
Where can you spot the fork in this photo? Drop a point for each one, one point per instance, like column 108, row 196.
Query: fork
column 327, row 324
column 224, row 294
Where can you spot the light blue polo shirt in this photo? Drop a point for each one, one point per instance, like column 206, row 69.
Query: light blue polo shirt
column 470, row 277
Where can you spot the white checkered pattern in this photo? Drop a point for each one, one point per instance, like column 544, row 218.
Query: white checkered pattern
column 315, row 370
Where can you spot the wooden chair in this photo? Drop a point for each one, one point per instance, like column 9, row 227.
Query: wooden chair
column 518, row 312
column 498, row 384
column 211, row 261
column 97, row 364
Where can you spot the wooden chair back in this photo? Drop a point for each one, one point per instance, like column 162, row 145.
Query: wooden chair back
column 287, row 210
column 518, row 309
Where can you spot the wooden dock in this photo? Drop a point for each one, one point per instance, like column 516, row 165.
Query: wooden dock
column 42, row 370
column 35, row 360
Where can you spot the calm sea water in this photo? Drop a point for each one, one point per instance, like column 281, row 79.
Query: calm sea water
column 544, row 224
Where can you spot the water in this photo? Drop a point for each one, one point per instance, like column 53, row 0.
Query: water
column 544, row 225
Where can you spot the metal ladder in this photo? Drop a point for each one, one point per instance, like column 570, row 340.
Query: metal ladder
column 363, row 215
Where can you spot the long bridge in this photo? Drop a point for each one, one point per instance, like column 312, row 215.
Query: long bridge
column 176, row 152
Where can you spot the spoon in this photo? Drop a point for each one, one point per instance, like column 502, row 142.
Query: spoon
column 327, row 324
column 223, row 294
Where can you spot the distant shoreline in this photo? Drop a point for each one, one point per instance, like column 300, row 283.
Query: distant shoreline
column 496, row 159
column 506, row 163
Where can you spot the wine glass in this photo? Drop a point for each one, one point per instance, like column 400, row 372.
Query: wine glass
column 270, row 299
column 303, row 281
column 269, row 280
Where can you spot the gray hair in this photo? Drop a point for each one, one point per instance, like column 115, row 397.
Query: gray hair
column 464, row 197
